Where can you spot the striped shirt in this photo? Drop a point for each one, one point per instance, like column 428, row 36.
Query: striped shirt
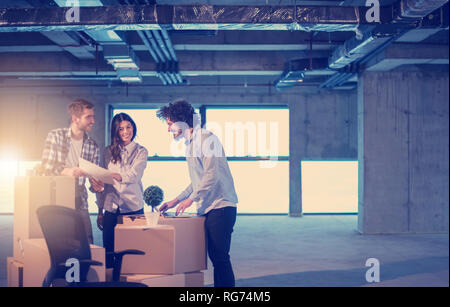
column 54, row 156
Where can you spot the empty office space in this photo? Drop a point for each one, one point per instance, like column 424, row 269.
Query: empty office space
column 214, row 143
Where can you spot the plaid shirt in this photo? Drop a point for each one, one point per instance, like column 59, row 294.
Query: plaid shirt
column 56, row 149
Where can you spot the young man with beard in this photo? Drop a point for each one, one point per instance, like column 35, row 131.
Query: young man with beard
column 212, row 186
column 62, row 150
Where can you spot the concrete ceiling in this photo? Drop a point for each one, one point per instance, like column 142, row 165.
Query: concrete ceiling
column 221, row 57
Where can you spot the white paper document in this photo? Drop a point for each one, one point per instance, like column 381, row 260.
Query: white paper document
column 99, row 173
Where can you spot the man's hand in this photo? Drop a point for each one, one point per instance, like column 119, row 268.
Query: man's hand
column 73, row 172
column 170, row 204
column 184, row 205
column 97, row 185
column 100, row 220
column 117, row 177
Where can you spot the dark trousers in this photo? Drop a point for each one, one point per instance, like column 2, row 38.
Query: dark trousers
column 109, row 223
column 219, row 225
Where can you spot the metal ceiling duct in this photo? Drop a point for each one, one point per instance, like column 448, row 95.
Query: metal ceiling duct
column 294, row 72
column 115, row 49
column 375, row 38
column 419, row 9
column 153, row 53
column 355, row 49
column 186, row 17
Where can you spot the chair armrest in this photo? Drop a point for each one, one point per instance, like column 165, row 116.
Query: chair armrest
column 91, row 262
column 129, row 252
column 84, row 262
column 118, row 256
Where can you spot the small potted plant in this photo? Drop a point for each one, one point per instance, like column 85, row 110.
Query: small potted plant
column 153, row 196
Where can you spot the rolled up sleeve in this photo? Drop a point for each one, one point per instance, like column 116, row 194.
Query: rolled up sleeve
column 186, row 193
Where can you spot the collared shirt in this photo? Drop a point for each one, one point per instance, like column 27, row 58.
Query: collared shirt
column 54, row 157
column 127, row 196
column 212, row 185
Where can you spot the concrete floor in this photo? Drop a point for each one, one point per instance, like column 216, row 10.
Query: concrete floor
column 314, row 251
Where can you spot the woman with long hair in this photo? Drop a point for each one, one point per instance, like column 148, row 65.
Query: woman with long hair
column 127, row 160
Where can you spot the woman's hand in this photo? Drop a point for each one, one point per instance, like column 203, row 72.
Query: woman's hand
column 73, row 172
column 117, row 177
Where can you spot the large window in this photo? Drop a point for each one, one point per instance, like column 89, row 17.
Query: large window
column 329, row 186
column 256, row 141
column 261, row 190
column 152, row 133
column 251, row 132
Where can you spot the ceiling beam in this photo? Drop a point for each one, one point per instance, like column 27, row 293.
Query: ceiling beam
column 399, row 54
column 251, row 47
column 180, row 48
column 190, row 63
column 187, row 17
column 70, row 42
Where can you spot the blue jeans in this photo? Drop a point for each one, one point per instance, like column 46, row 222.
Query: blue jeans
column 219, row 225
column 109, row 223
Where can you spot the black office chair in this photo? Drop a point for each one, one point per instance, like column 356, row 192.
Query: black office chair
column 66, row 238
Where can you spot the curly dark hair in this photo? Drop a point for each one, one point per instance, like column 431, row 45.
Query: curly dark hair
column 178, row 111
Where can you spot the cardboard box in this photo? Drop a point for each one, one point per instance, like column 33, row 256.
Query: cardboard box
column 194, row 279
column 32, row 192
column 175, row 246
column 132, row 220
column 141, row 219
column 14, row 271
column 37, row 263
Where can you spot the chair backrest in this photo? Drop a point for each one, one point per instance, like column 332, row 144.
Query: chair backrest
column 66, row 238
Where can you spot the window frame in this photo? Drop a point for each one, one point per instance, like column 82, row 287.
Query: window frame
column 202, row 112
column 251, row 107
column 327, row 160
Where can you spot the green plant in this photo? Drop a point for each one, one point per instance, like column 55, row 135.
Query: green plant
column 153, row 196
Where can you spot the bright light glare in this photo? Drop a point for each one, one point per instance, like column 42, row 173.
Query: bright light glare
column 330, row 186
column 261, row 190
column 8, row 170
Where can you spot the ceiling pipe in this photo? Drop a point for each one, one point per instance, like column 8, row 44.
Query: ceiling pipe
column 166, row 52
column 375, row 39
column 173, row 55
column 152, row 53
column 147, row 44
column 169, row 44
column 161, row 44
column 160, row 59
column 155, row 46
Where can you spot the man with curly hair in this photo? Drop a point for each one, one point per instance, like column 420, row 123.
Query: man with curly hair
column 211, row 188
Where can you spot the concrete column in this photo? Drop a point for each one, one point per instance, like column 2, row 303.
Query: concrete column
column 295, row 156
column 403, row 152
